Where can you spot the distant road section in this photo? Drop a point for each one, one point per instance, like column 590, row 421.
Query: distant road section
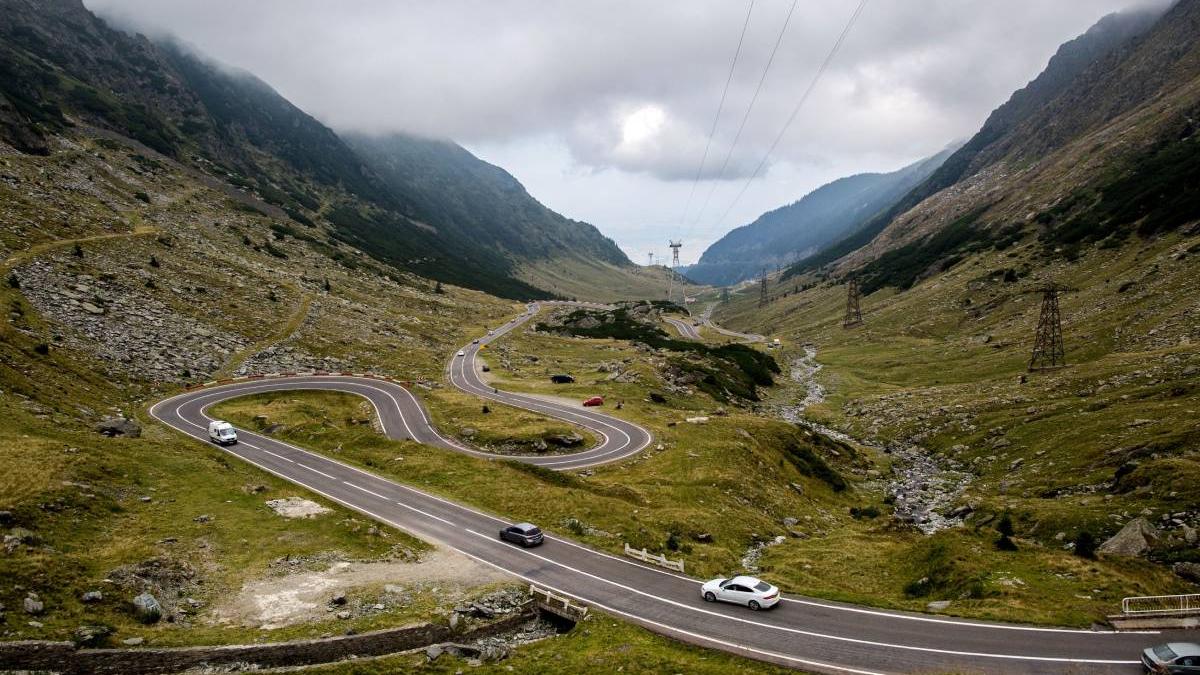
column 685, row 328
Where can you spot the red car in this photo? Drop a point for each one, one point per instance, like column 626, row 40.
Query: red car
column 595, row 400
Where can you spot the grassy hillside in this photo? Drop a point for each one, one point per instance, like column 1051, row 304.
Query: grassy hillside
column 1082, row 449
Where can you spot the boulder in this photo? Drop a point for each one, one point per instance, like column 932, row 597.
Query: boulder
column 1187, row 570
column 92, row 596
column 33, row 605
column 146, row 608
column 570, row 440
column 1134, row 539
column 119, row 426
column 937, row 606
column 90, row 635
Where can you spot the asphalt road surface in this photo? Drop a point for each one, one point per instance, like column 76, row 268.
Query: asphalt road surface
column 685, row 328
column 801, row 632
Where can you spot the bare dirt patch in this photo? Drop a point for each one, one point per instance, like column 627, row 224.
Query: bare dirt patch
column 297, row 507
column 278, row 601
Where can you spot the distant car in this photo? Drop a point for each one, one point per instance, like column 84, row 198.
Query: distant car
column 749, row 591
column 525, row 534
column 221, row 432
column 1173, row 657
column 561, row 379
column 461, row 353
column 475, row 341
column 594, row 401
column 491, row 332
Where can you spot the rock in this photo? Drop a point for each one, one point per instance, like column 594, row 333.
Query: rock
column 657, row 397
column 454, row 621
column 1187, row 570
column 1134, row 539
column 1190, row 535
column 432, row 652
column 797, row 534
column 119, row 426
column 6, row 518
column 90, row 635
column 133, row 641
column 703, row 537
column 790, row 522
column 92, row 596
column 797, row 487
column 696, row 420
column 203, row 518
column 90, row 308
column 343, row 615
column 960, row 511
column 468, row 432
column 937, row 606
column 570, row 440
column 21, row 535
column 146, row 608
column 33, row 605
column 338, row 600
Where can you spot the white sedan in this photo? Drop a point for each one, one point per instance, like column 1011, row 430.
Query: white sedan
column 461, row 353
column 748, row 591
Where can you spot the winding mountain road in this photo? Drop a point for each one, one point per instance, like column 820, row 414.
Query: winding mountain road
column 804, row 633
column 685, row 328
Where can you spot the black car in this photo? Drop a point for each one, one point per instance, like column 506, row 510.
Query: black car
column 1173, row 657
column 525, row 534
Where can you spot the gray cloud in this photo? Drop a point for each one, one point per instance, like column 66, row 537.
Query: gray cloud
column 631, row 86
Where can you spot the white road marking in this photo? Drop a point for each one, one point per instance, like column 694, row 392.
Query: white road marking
column 305, row 466
column 359, row 487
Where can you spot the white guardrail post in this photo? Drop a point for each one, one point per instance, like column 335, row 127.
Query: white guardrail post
column 1161, row 605
column 653, row 558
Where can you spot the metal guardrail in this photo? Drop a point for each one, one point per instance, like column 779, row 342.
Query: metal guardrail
column 654, row 559
column 1161, row 605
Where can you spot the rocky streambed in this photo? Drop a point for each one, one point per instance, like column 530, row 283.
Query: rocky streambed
column 922, row 487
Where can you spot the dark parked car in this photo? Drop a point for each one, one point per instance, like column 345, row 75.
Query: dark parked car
column 1173, row 657
column 525, row 534
column 561, row 379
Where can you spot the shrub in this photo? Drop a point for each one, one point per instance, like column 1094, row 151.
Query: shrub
column 142, row 196
column 42, row 348
column 13, row 280
column 1005, row 528
column 939, row 571
column 153, row 261
column 1085, row 545
column 78, row 251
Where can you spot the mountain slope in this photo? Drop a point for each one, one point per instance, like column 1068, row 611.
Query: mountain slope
column 465, row 197
column 1044, row 110
column 803, row 227
column 473, row 225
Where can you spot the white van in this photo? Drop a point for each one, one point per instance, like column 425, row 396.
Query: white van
column 221, row 433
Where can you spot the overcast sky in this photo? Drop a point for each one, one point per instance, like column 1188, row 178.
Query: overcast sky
column 602, row 108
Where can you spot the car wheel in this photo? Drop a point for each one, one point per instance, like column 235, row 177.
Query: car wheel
column 754, row 605
column 709, row 597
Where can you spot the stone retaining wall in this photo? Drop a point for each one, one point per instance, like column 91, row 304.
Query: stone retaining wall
column 63, row 657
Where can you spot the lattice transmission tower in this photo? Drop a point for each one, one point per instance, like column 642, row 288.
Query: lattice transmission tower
column 763, row 296
column 1048, row 348
column 674, row 265
column 853, row 300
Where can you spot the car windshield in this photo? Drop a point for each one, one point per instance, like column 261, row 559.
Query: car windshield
column 532, row 531
column 1164, row 652
column 762, row 586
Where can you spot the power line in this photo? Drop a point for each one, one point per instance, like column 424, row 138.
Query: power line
column 746, row 116
column 799, row 104
column 720, row 106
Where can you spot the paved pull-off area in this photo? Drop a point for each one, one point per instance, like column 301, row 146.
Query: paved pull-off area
column 801, row 632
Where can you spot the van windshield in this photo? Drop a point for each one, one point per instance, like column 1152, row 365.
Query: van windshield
column 227, row 431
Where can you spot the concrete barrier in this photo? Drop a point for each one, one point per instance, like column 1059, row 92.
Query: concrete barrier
column 654, row 558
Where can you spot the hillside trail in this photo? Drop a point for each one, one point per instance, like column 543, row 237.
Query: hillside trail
column 922, row 486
